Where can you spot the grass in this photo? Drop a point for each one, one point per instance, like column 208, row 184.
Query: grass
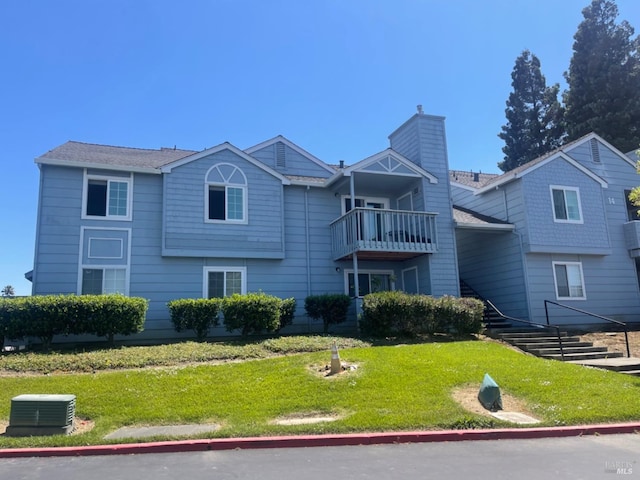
column 400, row 387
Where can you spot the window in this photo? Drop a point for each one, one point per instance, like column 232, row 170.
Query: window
column 569, row 281
column 633, row 212
column 107, row 197
column 226, row 194
column 566, row 204
column 222, row 282
column 369, row 282
column 99, row 281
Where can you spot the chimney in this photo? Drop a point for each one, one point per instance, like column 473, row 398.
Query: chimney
column 420, row 110
column 476, row 177
column 341, row 164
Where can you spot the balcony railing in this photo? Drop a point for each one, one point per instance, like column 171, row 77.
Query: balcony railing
column 377, row 230
column 632, row 237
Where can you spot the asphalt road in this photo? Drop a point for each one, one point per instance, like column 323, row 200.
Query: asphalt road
column 589, row 457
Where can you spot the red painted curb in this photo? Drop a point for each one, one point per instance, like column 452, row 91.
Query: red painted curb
column 323, row 440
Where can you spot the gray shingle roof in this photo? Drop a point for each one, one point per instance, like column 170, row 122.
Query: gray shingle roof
column 471, row 179
column 470, row 217
column 109, row 156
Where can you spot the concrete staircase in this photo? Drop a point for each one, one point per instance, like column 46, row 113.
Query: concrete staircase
column 544, row 343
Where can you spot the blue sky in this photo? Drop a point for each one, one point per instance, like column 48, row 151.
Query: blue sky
column 333, row 76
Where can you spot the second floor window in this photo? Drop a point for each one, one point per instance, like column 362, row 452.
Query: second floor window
column 226, row 194
column 566, row 204
column 107, row 197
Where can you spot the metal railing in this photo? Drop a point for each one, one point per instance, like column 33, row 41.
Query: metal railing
column 610, row 320
column 376, row 229
column 532, row 324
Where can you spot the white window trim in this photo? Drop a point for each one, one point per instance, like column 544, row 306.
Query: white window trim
column 85, row 189
column 555, row 280
column 370, row 272
column 553, row 209
column 82, row 265
column 119, row 240
column 245, row 209
column 205, row 278
column 104, row 269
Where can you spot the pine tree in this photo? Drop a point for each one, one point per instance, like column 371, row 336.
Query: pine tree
column 604, row 78
column 534, row 115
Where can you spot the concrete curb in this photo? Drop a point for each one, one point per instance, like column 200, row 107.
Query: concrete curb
column 323, row 440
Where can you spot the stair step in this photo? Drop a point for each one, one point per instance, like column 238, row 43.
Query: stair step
column 535, row 334
column 583, row 356
column 541, row 339
column 537, row 345
column 635, row 373
column 543, row 352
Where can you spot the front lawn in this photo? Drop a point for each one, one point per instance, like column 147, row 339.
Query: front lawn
column 399, row 387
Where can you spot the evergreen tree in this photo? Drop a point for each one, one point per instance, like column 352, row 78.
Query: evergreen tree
column 604, row 79
column 534, row 115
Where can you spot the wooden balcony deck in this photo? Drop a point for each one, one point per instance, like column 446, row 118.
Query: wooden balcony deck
column 377, row 234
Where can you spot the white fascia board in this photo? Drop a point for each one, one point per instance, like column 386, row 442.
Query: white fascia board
column 420, row 172
column 218, row 148
column 462, row 186
column 292, row 146
column 98, row 166
column 506, row 227
column 559, row 155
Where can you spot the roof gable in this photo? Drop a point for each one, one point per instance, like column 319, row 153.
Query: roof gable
column 292, row 146
column 533, row 165
column 218, row 148
column 389, row 162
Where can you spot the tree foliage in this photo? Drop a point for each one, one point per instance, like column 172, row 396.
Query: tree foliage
column 7, row 291
column 534, row 115
column 604, row 78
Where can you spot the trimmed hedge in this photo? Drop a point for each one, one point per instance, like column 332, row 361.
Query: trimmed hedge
column 287, row 312
column 331, row 308
column 251, row 313
column 387, row 313
column 45, row 316
column 197, row 314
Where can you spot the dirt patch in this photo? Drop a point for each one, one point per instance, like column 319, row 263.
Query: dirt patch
column 324, row 371
column 307, row 418
column 80, row 426
column 467, row 397
column 615, row 341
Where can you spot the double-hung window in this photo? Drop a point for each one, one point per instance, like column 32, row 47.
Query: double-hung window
column 225, row 194
column 222, row 282
column 107, row 197
column 566, row 204
column 569, row 281
column 99, row 281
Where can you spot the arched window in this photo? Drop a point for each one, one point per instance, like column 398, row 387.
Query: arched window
column 225, row 194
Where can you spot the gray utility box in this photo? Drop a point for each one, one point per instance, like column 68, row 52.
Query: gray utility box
column 41, row 414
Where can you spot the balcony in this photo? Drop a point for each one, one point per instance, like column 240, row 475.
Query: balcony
column 632, row 237
column 378, row 234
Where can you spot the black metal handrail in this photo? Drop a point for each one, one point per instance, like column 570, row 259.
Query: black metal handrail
column 533, row 324
column 611, row 320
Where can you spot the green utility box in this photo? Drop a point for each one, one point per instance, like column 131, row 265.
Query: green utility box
column 41, row 414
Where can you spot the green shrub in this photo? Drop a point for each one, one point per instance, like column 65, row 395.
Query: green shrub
column 251, row 313
column 287, row 312
column 331, row 308
column 385, row 313
column 44, row 316
column 197, row 314
column 109, row 315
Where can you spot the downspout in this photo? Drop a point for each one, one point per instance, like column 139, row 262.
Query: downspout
column 356, row 284
column 307, row 247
